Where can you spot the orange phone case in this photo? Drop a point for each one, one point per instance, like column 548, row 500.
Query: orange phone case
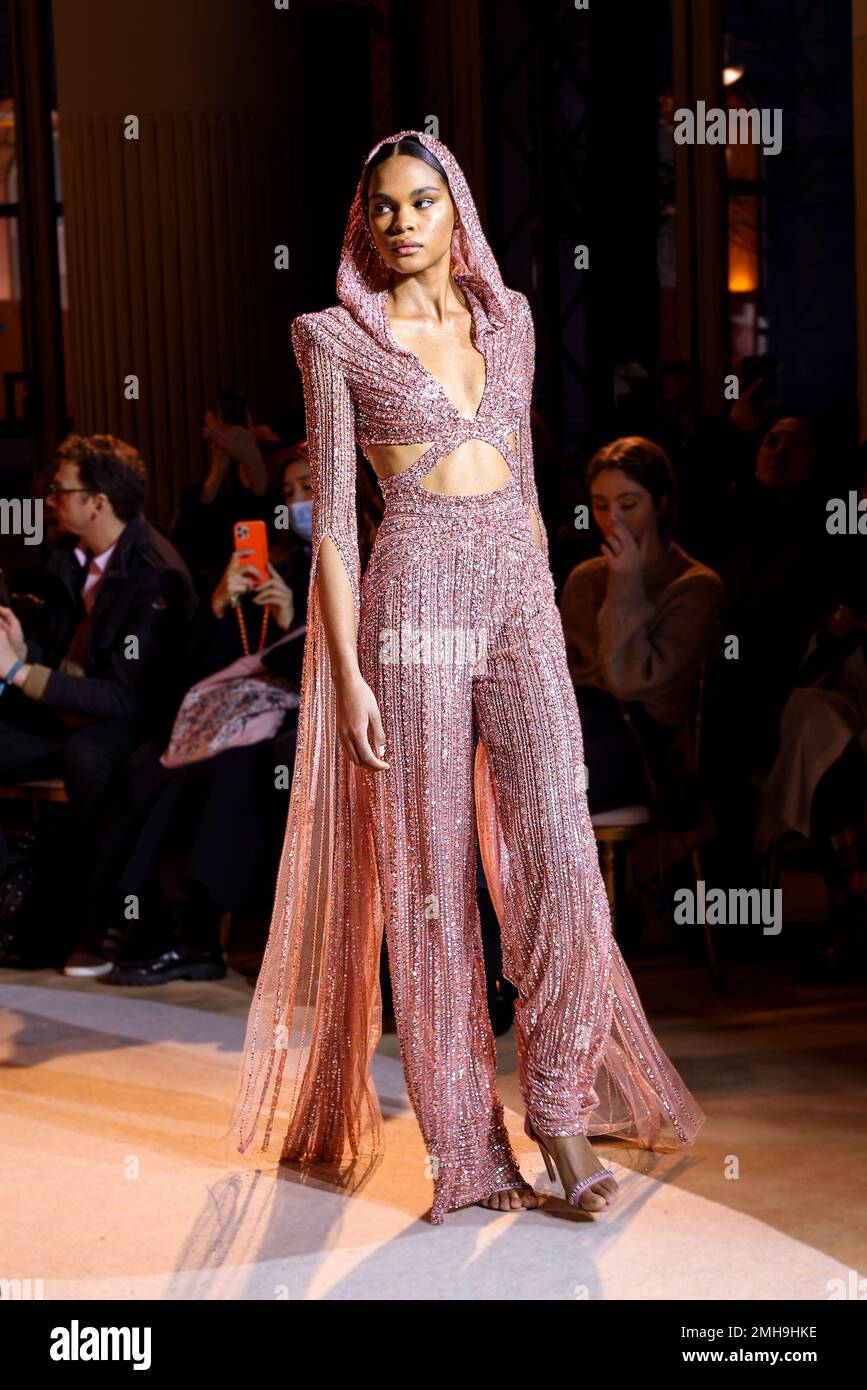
column 252, row 535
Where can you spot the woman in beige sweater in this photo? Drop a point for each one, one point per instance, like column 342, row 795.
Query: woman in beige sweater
column 638, row 620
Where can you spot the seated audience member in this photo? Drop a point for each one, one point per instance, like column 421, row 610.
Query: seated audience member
column 717, row 461
column 817, row 786
column 290, row 545
column 237, row 487
column 197, row 829
column 101, row 673
column 777, row 584
column 198, row 840
column 638, row 621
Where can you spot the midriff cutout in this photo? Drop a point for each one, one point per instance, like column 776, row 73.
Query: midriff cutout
column 474, row 467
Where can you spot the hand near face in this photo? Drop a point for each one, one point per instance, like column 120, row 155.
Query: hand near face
column 624, row 554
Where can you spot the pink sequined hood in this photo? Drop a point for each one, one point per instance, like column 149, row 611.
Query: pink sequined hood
column 362, row 275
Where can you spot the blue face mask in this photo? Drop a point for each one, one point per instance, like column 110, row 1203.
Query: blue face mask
column 301, row 518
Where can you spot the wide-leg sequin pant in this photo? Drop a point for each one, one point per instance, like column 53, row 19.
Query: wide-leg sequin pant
column 459, row 624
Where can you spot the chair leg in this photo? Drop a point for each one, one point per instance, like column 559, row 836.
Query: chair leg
column 225, row 929
column 716, row 972
column 629, row 869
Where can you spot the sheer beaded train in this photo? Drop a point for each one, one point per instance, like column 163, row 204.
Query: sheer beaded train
column 458, row 633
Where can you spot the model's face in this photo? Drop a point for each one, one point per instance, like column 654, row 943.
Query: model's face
column 786, row 455
column 617, row 497
column 408, row 202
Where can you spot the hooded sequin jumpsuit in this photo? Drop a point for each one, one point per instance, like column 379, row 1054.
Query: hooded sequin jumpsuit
column 458, row 630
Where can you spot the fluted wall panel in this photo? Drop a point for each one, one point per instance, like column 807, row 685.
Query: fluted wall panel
column 172, row 278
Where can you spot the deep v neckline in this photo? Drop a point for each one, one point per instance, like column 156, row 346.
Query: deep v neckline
column 401, row 347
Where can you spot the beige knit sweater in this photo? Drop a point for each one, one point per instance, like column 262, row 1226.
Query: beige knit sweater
column 642, row 637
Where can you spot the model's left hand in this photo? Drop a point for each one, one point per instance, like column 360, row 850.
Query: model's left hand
column 279, row 598
column 624, row 554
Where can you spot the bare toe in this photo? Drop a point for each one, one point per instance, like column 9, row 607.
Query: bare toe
column 591, row 1200
column 513, row 1199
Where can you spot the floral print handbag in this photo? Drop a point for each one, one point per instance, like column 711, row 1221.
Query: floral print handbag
column 242, row 704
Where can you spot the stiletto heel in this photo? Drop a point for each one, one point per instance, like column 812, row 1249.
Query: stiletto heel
column 549, row 1164
column 573, row 1196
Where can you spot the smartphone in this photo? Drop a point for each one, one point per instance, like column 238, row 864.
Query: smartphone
column 233, row 407
column 764, row 369
column 253, row 535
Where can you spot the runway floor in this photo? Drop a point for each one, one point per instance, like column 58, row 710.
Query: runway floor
column 116, row 1186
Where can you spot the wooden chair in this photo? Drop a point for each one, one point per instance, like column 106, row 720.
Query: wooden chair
column 610, row 828
column 791, row 848
column 37, row 791
column 623, row 823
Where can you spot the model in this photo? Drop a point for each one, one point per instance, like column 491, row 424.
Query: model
column 436, row 704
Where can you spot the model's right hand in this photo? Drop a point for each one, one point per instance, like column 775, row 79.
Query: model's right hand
column 359, row 726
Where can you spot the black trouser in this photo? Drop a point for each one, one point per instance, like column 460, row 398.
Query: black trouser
column 839, row 820
column 191, row 843
column 615, row 768
column 35, row 742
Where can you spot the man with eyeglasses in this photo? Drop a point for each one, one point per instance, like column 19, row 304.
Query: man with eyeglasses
column 106, row 670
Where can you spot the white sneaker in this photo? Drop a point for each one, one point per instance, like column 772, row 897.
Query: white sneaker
column 81, row 964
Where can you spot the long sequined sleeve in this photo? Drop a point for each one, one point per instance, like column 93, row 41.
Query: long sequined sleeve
column 527, row 472
column 331, row 450
column 316, row 1014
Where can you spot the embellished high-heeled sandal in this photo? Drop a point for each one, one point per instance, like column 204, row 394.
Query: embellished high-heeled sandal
column 574, row 1195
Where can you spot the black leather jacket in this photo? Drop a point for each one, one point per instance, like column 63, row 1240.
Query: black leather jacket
column 146, row 593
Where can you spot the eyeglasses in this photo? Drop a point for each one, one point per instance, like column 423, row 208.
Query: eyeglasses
column 54, row 490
